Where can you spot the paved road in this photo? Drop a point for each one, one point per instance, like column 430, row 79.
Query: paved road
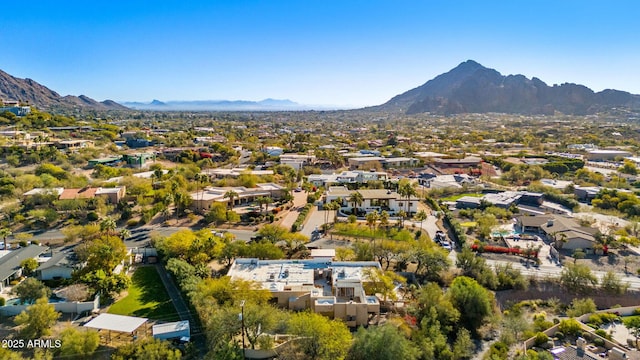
column 552, row 270
column 299, row 201
column 140, row 236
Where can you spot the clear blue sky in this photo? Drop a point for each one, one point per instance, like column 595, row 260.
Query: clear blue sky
column 333, row 52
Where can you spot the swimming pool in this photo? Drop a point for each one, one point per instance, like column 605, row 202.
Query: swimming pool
column 16, row 301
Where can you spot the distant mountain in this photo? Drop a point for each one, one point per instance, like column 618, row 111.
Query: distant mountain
column 33, row 93
column 217, row 105
column 473, row 88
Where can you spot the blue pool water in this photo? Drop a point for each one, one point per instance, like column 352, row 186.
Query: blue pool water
column 16, row 301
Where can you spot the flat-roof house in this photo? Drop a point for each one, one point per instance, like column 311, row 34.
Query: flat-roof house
column 374, row 200
column 606, row 155
column 10, row 268
column 332, row 288
column 203, row 199
column 365, row 162
column 112, row 195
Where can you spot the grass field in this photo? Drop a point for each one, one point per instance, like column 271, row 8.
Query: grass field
column 456, row 197
column 147, row 297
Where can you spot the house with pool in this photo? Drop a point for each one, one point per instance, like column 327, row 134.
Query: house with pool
column 335, row 289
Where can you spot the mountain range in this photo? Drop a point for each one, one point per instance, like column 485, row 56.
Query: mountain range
column 468, row 88
column 217, row 105
column 33, row 93
column 473, row 88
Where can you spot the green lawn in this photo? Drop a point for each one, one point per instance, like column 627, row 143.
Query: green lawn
column 147, row 297
column 456, row 197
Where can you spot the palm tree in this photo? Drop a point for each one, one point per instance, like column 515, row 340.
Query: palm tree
column 5, row 232
column 231, row 195
column 267, row 200
column 108, row 225
column 356, row 199
column 406, row 189
column 200, row 179
column 372, row 219
column 420, row 216
column 384, row 219
column 125, row 234
column 402, row 214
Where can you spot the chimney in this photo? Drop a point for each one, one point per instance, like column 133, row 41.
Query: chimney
column 581, row 343
column 549, row 222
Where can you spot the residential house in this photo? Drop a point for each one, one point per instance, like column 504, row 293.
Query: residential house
column 297, row 161
column 203, row 199
column 331, row 288
column 74, row 144
column 10, row 268
column 112, row 195
column 234, row 173
column 139, row 160
column 60, row 265
column 355, row 177
column 400, row 162
column 503, row 199
column 374, row 200
column 447, row 181
column 606, row 155
column 16, row 110
column 566, row 232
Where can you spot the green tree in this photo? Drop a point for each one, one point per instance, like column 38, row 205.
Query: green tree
column 514, row 324
column 356, row 199
column 77, row 344
column 320, row 338
column 420, row 216
column 273, row 233
column 463, row 347
column 30, row 290
column 580, row 307
column 407, row 190
column 37, row 319
column 612, row 284
column 578, row 278
column 148, row 349
column 5, row 233
column 382, row 282
column 432, row 260
column 633, row 323
column 7, row 354
column 383, row 342
column 108, row 226
column 217, row 214
column 29, row 266
column 231, row 195
column 106, row 284
column 104, row 253
column 472, row 300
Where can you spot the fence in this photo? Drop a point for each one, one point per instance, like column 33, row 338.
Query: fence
column 74, row 307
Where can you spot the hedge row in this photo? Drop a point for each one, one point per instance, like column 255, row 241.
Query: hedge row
column 301, row 217
column 500, row 250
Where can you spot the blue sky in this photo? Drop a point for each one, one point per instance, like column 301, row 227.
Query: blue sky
column 343, row 52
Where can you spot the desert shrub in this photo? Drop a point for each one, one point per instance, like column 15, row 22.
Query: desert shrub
column 570, row 326
column 541, row 338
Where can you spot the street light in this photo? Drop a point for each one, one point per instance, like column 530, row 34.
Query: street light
column 242, row 324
